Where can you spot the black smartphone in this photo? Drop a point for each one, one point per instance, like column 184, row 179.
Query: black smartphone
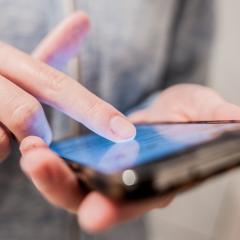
column 164, row 158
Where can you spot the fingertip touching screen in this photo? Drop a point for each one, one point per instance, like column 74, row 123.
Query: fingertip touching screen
column 152, row 143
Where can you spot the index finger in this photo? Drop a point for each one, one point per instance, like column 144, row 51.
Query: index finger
column 60, row 91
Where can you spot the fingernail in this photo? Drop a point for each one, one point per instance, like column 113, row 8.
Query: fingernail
column 31, row 143
column 26, row 148
column 122, row 128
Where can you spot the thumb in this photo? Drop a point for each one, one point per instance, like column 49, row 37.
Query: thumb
column 226, row 111
column 63, row 43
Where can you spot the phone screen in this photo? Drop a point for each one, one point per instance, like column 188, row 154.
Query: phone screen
column 152, row 142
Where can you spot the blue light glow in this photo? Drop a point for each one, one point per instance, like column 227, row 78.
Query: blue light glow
column 151, row 143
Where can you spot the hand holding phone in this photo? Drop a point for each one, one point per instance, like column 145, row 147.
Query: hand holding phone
column 59, row 185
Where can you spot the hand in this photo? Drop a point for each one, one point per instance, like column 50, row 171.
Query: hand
column 25, row 82
column 187, row 102
column 96, row 212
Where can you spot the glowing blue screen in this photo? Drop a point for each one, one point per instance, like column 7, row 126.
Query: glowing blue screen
column 152, row 143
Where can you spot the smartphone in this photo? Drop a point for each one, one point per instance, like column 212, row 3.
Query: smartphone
column 164, row 158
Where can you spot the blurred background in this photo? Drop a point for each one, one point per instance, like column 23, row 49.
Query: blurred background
column 212, row 211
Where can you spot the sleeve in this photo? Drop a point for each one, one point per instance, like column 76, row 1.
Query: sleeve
column 190, row 45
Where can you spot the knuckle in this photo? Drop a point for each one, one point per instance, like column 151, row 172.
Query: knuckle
column 53, row 80
column 56, row 81
column 94, row 108
column 25, row 114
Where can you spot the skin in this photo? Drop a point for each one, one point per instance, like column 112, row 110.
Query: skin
column 46, row 170
column 25, row 81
